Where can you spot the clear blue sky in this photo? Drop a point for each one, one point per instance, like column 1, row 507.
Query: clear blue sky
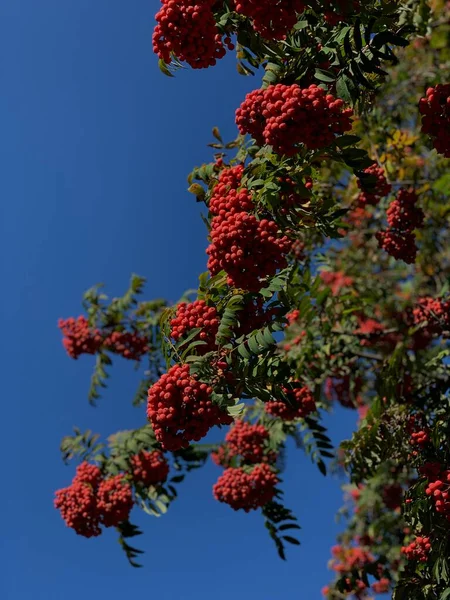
column 95, row 147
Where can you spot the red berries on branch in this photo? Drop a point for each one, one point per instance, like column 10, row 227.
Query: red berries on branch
column 418, row 430
column 403, row 217
column 91, row 501
column 435, row 111
column 273, row 19
column 403, row 213
column 78, row 507
column 195, row 315
column 302, row 400
column 150, row 468
column 438, row 487
column 247, row 249
column 418, row 549
column 187, row 30
column 180, row 409
column 246, row 489
column 380, row 189
column 336, row 281
column 248, row 441
column 433, row 314
column 114, row 500
column 227, row 198
column 129, row 345
column 285, row 116
column 402, row 246
column 79, row 337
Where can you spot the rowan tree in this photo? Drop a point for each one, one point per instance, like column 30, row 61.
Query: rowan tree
column 328, row 282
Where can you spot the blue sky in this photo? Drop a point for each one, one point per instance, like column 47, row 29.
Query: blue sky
column 95, row 147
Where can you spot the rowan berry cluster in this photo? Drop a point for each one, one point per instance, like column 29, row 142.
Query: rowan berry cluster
column 272, row 19
column 378, row 190
column 403, row 217
column 419, row 432
column 114, row 500
column 402, row 246
column 228, row 196
column 221, row 457
column 247, row 441
column 372, row 332
column 347, row 559
column 149, row 468
column 433, row 313
column 246, row 488
column 439, row 489
column 79, row 337
column 247, row 249
column 302, row 400
column 435, row 111
column 382, row 586
column 128, row 344
column 91, row 501
column 285, row 116
column 298, row 250
column 181, row 410
column 197, row 314
column 403, row 214
column 418, row 549
column 187, row 30
column 336, row 281
column 293, row 316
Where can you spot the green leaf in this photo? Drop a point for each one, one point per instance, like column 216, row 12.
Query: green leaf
column 325, row 76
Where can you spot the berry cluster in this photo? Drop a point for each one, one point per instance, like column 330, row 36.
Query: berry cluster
column 382, row 586
column 245, row 488
column 293, row 316
column 187, row 30
column 247, row 441
column 221, row 457
column 403, row 213
column 284, row 116
column 79, row 338
column 180, row 409
column 435, row 111
column 433, row 314
column 114, row 500
column 418, row 549
column 372, row 332
column 347, row 559
column 129, row 345
column 91, row 501
column 439, row 489
column 247, row 249
column 336, row 281
column 149, row 468
column 403, row 217
column 302, row 404
column 378, row 190
column 228, row 196
column 272, row 19
column 197, row 314
column 298, row 250
column 419, row 432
